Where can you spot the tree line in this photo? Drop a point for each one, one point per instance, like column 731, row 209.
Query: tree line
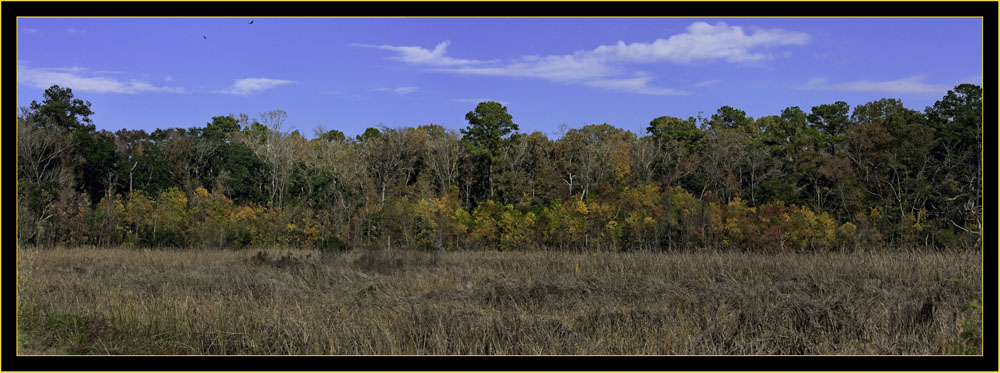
column 832, row 178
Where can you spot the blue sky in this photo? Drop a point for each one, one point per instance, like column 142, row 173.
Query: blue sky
column 353, row 73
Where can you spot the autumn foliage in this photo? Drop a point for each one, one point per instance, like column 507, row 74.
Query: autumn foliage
column 883, row 176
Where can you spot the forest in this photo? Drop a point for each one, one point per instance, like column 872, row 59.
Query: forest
column 875, row 176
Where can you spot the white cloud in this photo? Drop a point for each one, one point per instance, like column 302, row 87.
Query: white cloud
column 556, row 68
column 704, row 41
column 422, row 56
column 605, row 65
column 29, row 30
column 399, row 90
column 638, row 84
column 478, row 100
column 75, row 31
column 706, row 83
column 71, row 77
column 74, row 69
column 913, row 84
column 247, row 86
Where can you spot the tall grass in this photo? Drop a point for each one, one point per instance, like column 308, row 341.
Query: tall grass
column 118, row 301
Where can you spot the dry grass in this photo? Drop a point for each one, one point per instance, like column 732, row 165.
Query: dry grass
column 118, row 301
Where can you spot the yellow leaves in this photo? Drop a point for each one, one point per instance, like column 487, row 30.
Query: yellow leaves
column 826, row 227
column 621, row 160
column 530, row 219
column 611, row 225
column 581, row 208
column 201, row 192
column 245, row 213
column 514, row 227
column 848, row 229
column 737, row 203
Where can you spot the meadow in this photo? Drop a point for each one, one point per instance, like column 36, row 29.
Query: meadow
column 279, row 302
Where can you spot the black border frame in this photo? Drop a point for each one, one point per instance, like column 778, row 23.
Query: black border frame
column 988, row 10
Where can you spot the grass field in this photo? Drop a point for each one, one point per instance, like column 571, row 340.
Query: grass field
column 120, row 301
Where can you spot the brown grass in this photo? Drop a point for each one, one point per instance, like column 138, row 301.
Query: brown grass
column 118, row 301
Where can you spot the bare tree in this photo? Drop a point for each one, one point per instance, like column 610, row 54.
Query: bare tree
column 275, row 147
column 40, row 174
column 443, row 154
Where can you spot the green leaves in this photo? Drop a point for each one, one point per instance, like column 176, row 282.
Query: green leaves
column 488, row 126
column 61, row 111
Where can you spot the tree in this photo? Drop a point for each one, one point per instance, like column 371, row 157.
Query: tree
column 489, row 126
column 958, row 120
column 890, row 149
column 677, row 140
column 276, row 148
column 332, row 135
column 221, row 127
column 832, row 122
column 144, row 165
column 527, row 178
column 242, row 174
column 40, row 175
column 780, row 131
column 594, row 146
column 830, row 119
column 729, row 117
column 390, row 160
column 442, row 153
column 721, row 161
column 60, row 110
column 370, row 134
column 672, row 132
column 39, row 151
column 98, row 164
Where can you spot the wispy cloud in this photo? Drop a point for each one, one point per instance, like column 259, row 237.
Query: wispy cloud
column 247, row 86
column 29, row 30
column 75, row 31
column 78, row 79
column 555, row 68
column 706, row 83
column 637, row 84
column 72, row 69
column 478, row 100
column 608, row 66
column 399, row 90
column 913, row 84
column 419, row 55
column 703, row 41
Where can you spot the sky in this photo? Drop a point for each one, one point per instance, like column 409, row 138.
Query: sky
column 353, row 73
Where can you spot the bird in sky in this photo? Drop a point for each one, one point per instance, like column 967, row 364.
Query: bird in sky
column 204, row 37
column 251, row 22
